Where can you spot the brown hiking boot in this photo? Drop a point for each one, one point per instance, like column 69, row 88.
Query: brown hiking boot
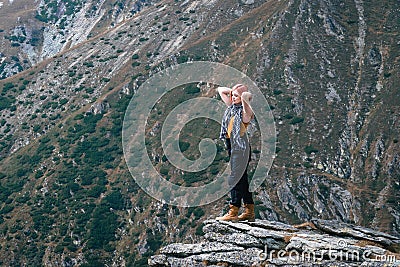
column 248, row 213
column 232, row 214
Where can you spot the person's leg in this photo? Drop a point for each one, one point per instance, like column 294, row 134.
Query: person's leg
column 238, row 170
column 238, row 163
column 247, row 196
column 248, row 203
column 228, row 146
column 243, row 185
column 236, row 196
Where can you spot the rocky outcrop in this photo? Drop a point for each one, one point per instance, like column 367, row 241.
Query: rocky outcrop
column 272, row 243
column 99, row 107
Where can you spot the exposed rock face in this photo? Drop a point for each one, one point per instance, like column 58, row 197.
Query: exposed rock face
column 48, row 27
column 99, row 108
column 328, row 69
column 271, row 243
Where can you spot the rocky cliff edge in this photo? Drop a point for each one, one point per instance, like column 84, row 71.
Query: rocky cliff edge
column 271, row 243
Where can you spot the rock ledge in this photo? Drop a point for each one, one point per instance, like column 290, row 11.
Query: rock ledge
column 271, row 243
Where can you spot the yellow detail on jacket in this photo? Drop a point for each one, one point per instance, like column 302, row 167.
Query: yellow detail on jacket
column 243, row 127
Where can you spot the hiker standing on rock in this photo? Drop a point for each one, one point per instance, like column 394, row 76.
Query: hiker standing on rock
column 233, row 130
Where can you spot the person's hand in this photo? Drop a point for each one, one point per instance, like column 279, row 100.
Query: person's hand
column 225, row 94
column 246, row 97
column 224, row 90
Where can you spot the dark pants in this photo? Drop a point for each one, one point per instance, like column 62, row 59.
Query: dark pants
column 239, row 161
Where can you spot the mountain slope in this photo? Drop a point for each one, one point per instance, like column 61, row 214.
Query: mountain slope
column 33, row 31
column 327, row 69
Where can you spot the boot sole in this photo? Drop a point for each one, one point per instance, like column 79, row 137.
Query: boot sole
column 234, row 220
column 248, row 220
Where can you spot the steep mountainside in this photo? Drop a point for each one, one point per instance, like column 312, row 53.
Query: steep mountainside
column 32, row 31
column 328, row 69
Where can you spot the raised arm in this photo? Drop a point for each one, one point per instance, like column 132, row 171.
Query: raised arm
column 225, row 93
column 247, row 110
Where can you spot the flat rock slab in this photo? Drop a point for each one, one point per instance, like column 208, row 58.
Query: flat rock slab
column 246, row 257
column 240, row 239
column 274, row 225
column 345, row 229
column 180, row 249
column 270, row 243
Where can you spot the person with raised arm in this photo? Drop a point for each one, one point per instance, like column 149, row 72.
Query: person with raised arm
column 233, row 131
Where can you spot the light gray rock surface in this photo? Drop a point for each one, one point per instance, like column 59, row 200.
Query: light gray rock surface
column 271, row 243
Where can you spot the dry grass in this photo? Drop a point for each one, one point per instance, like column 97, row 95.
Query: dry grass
column 364, row 243
column 305, row 225
column 22, row 10
column 266, row 10
column 287, row 238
